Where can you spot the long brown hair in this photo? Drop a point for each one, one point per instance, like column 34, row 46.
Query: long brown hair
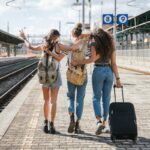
column 104, row 43
column 49, row 42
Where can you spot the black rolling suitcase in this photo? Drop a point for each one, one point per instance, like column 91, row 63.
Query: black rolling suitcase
column 122, row 120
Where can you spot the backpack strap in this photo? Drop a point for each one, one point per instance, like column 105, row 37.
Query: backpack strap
column 46, row 68
column 53, row 59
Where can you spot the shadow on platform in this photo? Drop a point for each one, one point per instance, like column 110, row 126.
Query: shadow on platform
column 141, row 141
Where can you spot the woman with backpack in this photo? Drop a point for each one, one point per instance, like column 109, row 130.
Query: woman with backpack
column 50, row 91
column 104, row 56
column 77, row 79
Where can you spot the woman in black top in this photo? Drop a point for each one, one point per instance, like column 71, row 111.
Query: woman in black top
column 104, row 56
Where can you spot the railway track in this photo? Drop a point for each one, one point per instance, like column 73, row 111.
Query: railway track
column 7, row 61
column 11, row 82
column 14, row 66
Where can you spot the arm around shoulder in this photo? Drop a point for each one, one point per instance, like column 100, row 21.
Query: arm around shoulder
column 93, row 58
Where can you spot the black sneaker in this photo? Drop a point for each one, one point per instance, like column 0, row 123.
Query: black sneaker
column 100, row 127
column 52, row 128
column 78, row 129
column 72, row 124
column 45, row 126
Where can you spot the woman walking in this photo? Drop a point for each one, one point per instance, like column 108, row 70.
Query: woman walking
column 104, row 57
column 72, row 86
column 50, row 91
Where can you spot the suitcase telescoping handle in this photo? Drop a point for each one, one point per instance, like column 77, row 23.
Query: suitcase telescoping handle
column 115, row 92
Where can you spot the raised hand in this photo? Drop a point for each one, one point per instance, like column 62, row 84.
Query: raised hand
column 22, row 35
column 118, row 84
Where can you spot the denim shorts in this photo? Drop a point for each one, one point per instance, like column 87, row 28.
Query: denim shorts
column 56, row 84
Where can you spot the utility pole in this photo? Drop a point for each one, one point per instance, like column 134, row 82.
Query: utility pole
column 60, row 27
column 83, row 13
column 90, row 13
column 102, row 13
column 79, row 15
column 8, row 26
column 115, row 19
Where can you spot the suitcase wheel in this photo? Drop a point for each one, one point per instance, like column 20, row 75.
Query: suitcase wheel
column 113, row 138
column 134, row 138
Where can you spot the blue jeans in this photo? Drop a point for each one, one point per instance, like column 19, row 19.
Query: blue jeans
column 79, row 97
column 102, row 81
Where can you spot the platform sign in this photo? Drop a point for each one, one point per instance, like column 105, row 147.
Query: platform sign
column 108, row 19
column 122, row 19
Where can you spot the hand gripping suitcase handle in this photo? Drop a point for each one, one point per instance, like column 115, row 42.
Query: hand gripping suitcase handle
column 115, row 92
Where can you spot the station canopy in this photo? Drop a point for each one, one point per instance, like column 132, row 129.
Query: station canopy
column 9, row 38
column 139, row 23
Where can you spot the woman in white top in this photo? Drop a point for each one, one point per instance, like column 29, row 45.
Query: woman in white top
column 76, row 99
column 50, row 91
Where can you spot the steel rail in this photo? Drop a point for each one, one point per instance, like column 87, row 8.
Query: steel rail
column 12, row 88
column 12, row 73
column 14, row 63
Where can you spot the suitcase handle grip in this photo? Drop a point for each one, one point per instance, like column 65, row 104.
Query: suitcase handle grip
column 115, row 92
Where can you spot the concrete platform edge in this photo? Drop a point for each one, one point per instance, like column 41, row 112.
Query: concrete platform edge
column 134, row 69
column 9, row 113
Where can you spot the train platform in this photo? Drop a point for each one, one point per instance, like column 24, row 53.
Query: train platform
column 21, row 122
column 141, row 65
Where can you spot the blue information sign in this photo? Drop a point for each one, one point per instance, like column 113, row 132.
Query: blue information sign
column 108, row 19
column 122, row 19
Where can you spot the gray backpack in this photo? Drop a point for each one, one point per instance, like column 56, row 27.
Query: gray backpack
column 47, row 70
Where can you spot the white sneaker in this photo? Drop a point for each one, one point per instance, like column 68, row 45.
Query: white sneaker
column 100, row 127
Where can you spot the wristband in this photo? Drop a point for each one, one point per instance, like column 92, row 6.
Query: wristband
column 118, row 78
